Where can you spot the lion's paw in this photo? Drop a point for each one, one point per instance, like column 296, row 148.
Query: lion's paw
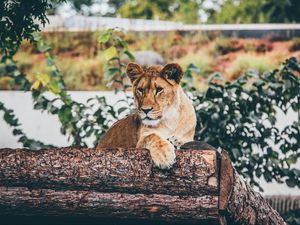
column 175, row 142
column 163, row 154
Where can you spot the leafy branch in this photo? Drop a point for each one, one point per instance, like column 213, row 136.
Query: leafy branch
column 240, row 116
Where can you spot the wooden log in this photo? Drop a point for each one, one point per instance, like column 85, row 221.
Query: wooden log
column 115, row 183
column 246, row 206
column 110, row 170
column 239, row 202
column 46, row 202
column 202, row 187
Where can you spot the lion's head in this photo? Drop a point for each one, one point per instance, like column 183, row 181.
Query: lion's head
column 155, row 91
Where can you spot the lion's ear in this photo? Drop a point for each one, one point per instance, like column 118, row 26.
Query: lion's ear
column 134, row 71
column 172, row 71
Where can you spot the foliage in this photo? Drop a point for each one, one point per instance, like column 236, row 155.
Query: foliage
column 240, row 116
column 18, row 21
column 292, row 217
column 80, row 122
column 87, row 7
column 256, row 11
column 225, row 11
column 142, row 10
column 10, row 119
column 240, row 11
column 115, row 49
column 184, row 10
column 179, row 10
column 282, row 11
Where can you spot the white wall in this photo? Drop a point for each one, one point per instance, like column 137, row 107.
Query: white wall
column 45, row 127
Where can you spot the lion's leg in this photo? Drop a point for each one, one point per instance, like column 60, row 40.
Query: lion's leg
column 162, row 151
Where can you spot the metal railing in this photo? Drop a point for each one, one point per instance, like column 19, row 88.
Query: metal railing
column 81, row 23
column 283, row 203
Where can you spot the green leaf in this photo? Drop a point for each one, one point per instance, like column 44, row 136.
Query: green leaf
column 54, row 87
column 267, row 176
column 37, row 36
column 124, row 44
column 193, row 68
column 110, row 53
column 36, row 85
column 17, row 132
column 65, row 114
column 104, row 37
column 130, row 55
column 50, row 61
column 290, row 182
column 215, row 76
column 44, row 48
column 34, row 145
column 43, row 78
column 122, row 109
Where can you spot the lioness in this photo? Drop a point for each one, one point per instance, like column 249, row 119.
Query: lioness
column 165, row 117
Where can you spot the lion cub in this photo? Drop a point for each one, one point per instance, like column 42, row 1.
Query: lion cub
column 165, row 117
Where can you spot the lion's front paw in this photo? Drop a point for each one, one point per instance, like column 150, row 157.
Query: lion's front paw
column 163, row 154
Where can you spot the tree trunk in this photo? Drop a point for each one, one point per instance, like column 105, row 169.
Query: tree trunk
column 123, row 183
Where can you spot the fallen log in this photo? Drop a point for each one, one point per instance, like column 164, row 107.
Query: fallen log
column 124, row 184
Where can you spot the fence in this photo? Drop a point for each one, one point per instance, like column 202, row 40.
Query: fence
column 81, row 23
column 284, row 204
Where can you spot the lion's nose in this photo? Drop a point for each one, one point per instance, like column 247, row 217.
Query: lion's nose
column 146, row 110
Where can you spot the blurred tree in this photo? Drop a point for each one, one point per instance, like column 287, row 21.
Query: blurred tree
column 238, row 12
column 188, row 11
column 143, row 10
column 282, row 11
column 85, row 7
column 180, row 10
column 256, row 11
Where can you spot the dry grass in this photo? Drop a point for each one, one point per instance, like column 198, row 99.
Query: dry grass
column 253, row 61
column 79, row 56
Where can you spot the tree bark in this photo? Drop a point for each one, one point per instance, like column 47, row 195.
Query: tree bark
column 46, row 202
column 123, row 183
column 115, row 183
column 248, row 207
column 239, row 202
column 109, row 170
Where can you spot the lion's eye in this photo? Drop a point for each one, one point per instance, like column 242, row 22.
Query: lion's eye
column 141, row 90
column 159, row 89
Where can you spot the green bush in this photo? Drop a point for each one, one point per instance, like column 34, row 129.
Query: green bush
column 240, row 116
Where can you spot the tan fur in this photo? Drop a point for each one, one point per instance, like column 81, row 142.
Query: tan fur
column 170, row 122
column 122, row 134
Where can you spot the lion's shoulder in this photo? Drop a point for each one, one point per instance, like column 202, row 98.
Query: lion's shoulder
column 123, row 133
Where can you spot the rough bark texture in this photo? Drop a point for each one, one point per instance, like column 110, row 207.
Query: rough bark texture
column 226, row 180
column 110, row 170
column 115, row 183
column 202, row 187
column 248, row 207
column 24, row 201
